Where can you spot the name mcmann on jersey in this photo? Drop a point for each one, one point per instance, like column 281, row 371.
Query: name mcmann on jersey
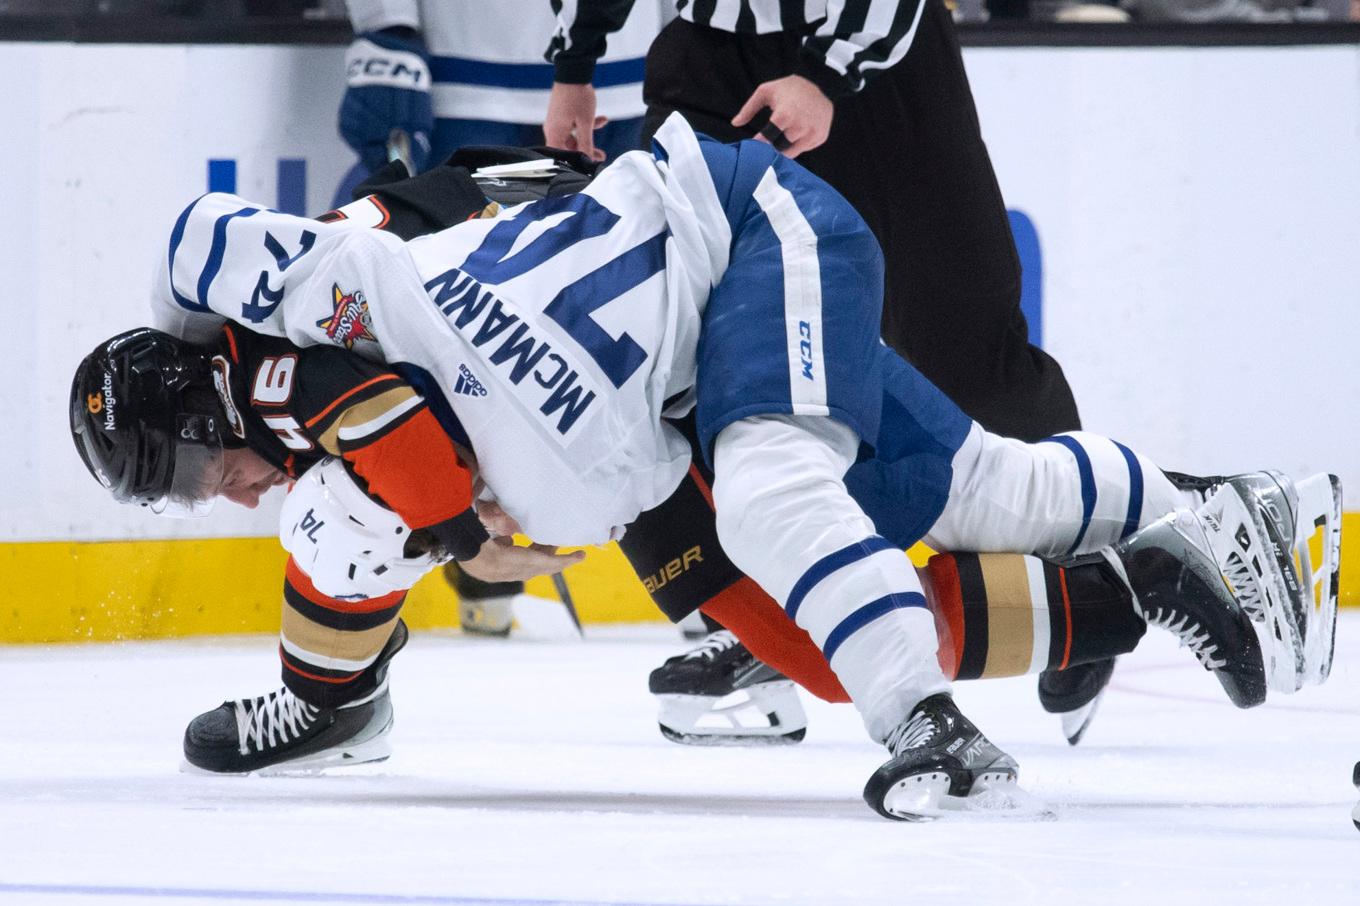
column 482, row 317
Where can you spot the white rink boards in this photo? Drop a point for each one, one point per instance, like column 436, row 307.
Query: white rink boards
column 531, row 773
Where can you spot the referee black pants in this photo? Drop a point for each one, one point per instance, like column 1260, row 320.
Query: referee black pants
column 907, row 152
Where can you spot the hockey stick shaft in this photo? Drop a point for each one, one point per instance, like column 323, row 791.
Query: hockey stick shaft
column 560, row 583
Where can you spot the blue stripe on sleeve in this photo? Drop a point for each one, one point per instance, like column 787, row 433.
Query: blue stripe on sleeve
column 1088, row 483
column 176, row 237
column 829, row 564
column 867, row 614
column 216, row 253
column 1135, row 490
column 533, row 76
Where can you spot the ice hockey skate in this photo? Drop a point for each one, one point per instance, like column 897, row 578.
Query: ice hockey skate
column 1295, row 615
column 280, row 733
column 1074, row 695
column 1355, row 779
column 492, row 617
column 1177, row 568
column 719, row 694
column 942, row 763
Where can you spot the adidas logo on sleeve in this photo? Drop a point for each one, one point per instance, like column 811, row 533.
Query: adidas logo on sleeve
column 467, row 384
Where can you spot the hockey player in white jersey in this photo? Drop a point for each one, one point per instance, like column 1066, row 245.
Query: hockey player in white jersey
column 555, row 340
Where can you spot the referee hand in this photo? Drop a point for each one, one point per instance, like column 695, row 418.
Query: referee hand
column 571, row 120
column 798, row 109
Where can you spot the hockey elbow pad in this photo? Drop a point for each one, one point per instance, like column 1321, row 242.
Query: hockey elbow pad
column 350, row 545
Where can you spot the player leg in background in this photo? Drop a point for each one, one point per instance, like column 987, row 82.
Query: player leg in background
column 715, row 693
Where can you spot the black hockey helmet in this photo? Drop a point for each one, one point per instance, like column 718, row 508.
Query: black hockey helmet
column 147, row 422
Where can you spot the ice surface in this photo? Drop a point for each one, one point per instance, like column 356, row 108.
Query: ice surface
column 533, row 773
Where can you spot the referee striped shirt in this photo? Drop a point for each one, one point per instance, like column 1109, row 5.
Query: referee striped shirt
column 846, row 41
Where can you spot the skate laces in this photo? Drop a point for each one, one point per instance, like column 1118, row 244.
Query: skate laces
column 1191, row 634
column 916, row 731
column 1245, row 587
column 269, row 721
column 712, row 646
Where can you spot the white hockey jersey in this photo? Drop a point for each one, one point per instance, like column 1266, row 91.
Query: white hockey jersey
column 486, row 56
column 557, row 333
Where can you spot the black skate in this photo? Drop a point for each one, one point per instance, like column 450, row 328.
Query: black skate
column 942, row 763
column 1355, row 778
column 281, row 731
column 719, row 694
column 1074, row 694
column 1293, row 603
column 1176, row 570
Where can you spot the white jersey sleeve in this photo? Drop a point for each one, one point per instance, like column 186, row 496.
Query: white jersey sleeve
column 231, row 259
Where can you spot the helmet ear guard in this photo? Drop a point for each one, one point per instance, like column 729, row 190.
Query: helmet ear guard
column 146, row 422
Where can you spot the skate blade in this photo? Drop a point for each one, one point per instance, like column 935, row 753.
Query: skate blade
column 370, row 752
column 1317, row 558
column 1239, row 542
column 766, row 714
column 925, row 797
column 733, row 737
column 1075, row 723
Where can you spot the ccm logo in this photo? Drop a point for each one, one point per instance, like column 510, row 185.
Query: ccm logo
column 805, row 348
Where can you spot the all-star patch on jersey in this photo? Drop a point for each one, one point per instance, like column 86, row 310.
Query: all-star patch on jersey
column 350, row 322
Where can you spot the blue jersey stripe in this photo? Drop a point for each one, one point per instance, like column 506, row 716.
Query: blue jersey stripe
column 176, row 237
column 867, row 614
column 1135, row 490
column 829, row 564
column 217, row 252
column 1088, row 483
column 533, row 76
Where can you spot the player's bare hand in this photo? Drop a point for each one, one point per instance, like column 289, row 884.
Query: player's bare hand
column 500, row 560
column 798, row 109
column 571, row 120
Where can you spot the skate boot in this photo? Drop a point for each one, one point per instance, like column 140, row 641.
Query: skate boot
column 486, row 616
column 281, row 731
column 941, row 763
column 1176, row 569
column 1296, row 615
column 484, row 608
column 1355, row 778
column 1074, row 694
column 719, row 694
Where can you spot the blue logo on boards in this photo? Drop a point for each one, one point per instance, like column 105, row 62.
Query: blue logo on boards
column 292, row 182
column 1031, row 273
